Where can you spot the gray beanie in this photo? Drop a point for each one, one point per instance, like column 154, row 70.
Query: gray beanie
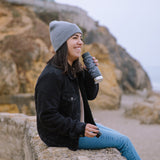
column 61, row 31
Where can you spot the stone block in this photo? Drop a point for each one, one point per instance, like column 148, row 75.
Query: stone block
column 20, row 140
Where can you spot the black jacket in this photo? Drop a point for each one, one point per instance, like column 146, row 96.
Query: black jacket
column 58, row 106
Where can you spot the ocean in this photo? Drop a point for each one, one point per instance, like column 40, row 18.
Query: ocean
column 154, row 75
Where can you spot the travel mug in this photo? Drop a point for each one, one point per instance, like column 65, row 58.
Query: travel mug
column 92, row 68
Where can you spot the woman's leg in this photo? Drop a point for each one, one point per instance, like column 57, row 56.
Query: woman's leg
column 110, row 138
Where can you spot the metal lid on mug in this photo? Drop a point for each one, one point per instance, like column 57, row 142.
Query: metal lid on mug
column 98, row 79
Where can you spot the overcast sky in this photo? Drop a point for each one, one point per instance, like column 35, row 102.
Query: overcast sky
column 134, row 23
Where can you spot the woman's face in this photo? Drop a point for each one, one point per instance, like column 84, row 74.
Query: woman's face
column 74, row 44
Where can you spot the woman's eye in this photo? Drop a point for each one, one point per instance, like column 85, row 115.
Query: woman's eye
column 74, row 37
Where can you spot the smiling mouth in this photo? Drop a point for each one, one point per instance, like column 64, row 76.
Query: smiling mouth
column 78, row 49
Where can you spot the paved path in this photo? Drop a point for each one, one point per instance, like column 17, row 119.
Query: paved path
column 145, row 138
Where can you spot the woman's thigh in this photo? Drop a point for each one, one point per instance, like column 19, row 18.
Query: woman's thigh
column 108, row 138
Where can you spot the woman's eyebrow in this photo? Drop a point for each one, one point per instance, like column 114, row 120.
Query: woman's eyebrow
column 77, row 35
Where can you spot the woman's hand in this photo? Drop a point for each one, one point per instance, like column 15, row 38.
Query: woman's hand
column 91, row 130
column 95, row 61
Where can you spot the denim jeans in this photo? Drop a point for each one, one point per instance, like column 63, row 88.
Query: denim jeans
column 110, row 139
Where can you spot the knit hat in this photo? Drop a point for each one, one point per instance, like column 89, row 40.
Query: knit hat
column 61, row 31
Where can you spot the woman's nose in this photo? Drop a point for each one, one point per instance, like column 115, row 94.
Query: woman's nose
column 80, row 42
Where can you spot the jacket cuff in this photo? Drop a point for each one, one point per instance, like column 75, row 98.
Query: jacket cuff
column 82, row 134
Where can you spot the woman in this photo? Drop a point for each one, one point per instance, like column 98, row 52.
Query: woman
column 64, row 118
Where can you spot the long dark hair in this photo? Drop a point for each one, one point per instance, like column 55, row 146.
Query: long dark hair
column 60, row 61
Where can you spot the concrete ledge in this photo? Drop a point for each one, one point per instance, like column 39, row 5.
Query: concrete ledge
column 20, row 141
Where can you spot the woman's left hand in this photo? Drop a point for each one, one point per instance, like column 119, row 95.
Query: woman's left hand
column 95, row 61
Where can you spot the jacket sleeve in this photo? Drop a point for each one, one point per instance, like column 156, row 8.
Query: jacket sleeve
column 90, row 86
column 47, row 96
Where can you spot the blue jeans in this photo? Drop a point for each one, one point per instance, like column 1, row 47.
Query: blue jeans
column 110, row 139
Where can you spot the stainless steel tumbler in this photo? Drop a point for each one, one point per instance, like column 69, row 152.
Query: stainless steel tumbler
column 92, row 68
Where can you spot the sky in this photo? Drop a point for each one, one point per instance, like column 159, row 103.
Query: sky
column 134, row 23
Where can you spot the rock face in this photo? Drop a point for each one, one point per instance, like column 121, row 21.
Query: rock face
column 25, row 48
column 147, row 110
column 133, row 75
column 110, row 93
column 9, row 76
column 52, row 10
column 20, row 140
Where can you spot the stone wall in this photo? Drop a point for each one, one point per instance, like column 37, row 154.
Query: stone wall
column 19, row 140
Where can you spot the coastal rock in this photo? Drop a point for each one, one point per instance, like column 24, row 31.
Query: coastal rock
column 48, row 11
column 134, row 76
column 9, row 76
column 33, row 50
column 110, row 93
column 147, row 110
column 24, row 49
column 20, row 140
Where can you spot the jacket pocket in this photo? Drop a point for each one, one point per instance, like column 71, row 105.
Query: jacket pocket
column 67, row 104
column 69, row 98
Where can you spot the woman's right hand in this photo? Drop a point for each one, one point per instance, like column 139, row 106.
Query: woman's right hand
column 91, row 130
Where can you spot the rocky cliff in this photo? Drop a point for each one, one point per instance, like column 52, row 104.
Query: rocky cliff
column 25, row 47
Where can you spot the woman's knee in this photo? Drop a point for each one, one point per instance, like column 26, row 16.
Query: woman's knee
column 125, row 140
